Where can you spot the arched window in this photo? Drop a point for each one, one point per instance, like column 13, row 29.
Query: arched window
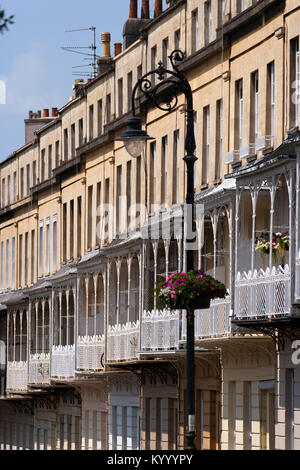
column 222, row 248
column 71, row 339
column 134, row 291
column 64, row 320
column 173, row 257
column 18, row 338
column 100, row 306
column 112, row 294
column 161, row 261
column 40, row 329
column 56, row 322
column 207, row 262
column 123, row 309
column 262, row 225
column 244, row 235
column 11, row 340
column 149, row 278
column 24, row 337
column 33, row 330
column 82, row 310
column 46, row 327
column 91, row 307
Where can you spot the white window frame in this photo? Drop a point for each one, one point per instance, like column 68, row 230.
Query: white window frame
column 54, row 235
column 240, row 98
column 48, row 245
column 41, row 249
column 272, row 85
column 256, row 99
column 13, row 263
column 7, row 264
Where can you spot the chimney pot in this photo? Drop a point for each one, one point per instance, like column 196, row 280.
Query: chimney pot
column 54, row 112
column 118, row 48
column 105, row 38
column 133, row 9
column 46, row 112
column 157, row 8
column 145, row 9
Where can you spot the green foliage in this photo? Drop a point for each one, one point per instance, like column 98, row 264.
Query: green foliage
column 5, row 21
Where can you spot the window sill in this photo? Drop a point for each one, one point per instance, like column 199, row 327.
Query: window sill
column 251, row 158
column 236, row 164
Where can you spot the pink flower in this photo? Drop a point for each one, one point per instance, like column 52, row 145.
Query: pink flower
column 172, row 296
column 182, row 274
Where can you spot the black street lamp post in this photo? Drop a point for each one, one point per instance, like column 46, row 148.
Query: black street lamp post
column 164, row 95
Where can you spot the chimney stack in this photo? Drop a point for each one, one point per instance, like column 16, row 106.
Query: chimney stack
column 35, row 121
column 118, row 48
column 104, row 61
column 157, row 8
column 134, row 25
column 105, row 38
column 133, row 9
column 145, row 14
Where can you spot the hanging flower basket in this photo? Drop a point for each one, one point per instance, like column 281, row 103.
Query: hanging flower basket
column 280, row 245
column 193, row 289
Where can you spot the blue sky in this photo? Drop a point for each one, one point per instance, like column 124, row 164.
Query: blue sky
column 36, row 71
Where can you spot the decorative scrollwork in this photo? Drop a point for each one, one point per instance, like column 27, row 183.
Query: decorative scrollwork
column 175, row 57
column 164, row 91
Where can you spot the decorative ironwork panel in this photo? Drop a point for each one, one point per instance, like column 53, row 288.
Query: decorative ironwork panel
column 123, row 342
column 89, row 352
column 263, row 293
column 17, row 375
column 63, row 361
column 39, row 368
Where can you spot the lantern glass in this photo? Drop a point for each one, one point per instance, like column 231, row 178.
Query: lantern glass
column 135, row 147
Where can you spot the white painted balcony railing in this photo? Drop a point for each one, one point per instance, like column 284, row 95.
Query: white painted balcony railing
column 160, row 330
column 123, row 342
column 39, row 369
column 17, row 375
column 63, row 361
column 263, row 293
column 211, row 322
column 90, row 350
